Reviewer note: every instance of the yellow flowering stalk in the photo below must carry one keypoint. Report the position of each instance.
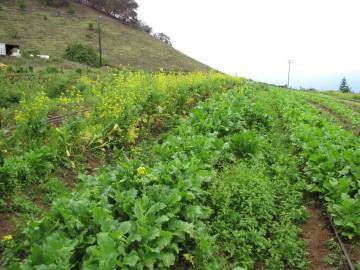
(7, 237)
(141, 170)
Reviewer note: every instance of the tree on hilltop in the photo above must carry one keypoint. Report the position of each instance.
(344, 87)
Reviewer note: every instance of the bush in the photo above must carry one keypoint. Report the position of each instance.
(27, 53)
(71, 11)
(82, 53)
(54, 3)
(13, 32)
(91, 26)
(21, 4)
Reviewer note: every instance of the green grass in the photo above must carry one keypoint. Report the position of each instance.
(50, 30)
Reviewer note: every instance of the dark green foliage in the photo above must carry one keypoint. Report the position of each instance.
(91, 26)
(344, 87)
(123, 10)
(71, 11)
(27, 53)
(54, 3)
(21, 4)
(81, 53)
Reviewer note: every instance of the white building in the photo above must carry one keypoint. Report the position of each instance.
(9, 49)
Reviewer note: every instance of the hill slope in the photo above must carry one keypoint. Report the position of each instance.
(50, 30)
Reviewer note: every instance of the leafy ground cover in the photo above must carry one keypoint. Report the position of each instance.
(331, 157)
(119, 109)
(345, 114)
(153, 214)
(222, 189)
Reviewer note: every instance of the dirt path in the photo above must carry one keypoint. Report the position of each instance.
(7, 225)
(316, 233)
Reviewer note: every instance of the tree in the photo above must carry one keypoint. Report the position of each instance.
(164, 38)
(344, 87)
(123, 10)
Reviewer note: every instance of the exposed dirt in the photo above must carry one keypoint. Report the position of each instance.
(7, 225)
(317, 233)
(354, 251)
(68, 177)
(93, 165)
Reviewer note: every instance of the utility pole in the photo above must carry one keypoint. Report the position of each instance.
(100, 49)
(288, 81)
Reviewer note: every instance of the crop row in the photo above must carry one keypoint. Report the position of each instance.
(347, 115)
(138, 215)
(172, 206)
(331, 156)
(121, 109)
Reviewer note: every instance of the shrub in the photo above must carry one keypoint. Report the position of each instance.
(21, 4)
(82, 53)
(54, 3)
(91, 26)
(13, 33)
(27, 53)
(71, 11)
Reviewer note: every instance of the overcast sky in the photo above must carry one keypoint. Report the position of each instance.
(256, 38)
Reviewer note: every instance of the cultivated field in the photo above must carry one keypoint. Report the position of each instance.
(136, 170)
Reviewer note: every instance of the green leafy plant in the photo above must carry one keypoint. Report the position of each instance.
(82, 53)
(245, 144)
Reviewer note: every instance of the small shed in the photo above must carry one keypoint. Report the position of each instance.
(9, 49)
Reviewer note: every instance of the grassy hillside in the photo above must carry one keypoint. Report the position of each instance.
(50, 30)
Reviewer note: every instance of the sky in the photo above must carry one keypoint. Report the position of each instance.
(256, 38)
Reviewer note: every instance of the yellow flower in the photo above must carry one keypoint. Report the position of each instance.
(132, 135)
(188, 257)
(7, 237)
(141, 170)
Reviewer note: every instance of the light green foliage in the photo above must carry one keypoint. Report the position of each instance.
(143, 218)
(171, 204)
(120, 108)
(345, 115)
(331, 157)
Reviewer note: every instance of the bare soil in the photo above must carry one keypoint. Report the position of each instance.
(316, 234)
(7, 225)
(353, 249)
